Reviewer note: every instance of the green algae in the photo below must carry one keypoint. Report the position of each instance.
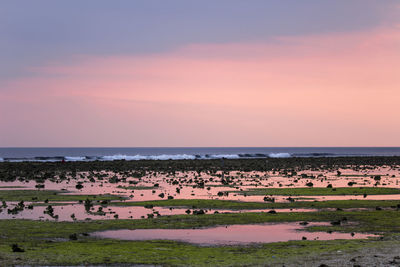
(50, 195)
(238, 205)
(170, 253)
(319, 191)
(48, 243)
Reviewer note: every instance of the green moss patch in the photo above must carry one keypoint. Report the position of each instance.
(237, 205)
(50, 195)
(48, 242)
(169, 253)
(320, 191)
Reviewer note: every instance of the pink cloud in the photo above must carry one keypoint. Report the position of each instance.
(289, 91)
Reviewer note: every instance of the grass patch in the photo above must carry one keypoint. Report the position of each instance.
(197, 203)
(170, 253)
(319, 191)
(237, 205)
(50, 195)
(47, 242)
(368, 221)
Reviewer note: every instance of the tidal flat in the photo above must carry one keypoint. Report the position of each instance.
(51, 213)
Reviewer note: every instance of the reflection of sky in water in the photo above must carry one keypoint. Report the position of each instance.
(64, 212)
(231, 234)
(189, 190)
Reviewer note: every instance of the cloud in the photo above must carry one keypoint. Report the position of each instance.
(289, 91)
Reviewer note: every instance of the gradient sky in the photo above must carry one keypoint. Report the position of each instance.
(200, 73)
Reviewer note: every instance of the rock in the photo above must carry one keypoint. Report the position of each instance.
(335, 222)
(269, 199)
(198, 212)
(16, 248)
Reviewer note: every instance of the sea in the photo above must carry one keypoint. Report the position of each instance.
(53, 154)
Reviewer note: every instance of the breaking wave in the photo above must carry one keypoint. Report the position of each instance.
(280, 155)
(151, 157)
(75, 158)
(175, 157)
(148, 157)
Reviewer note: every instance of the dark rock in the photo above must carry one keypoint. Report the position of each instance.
(16, 248)
(73, 237)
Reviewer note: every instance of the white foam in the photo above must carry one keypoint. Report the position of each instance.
(226, 156)
(152, 157)
(75, 158)
(279, 155)
(167, 157)
(122, 157)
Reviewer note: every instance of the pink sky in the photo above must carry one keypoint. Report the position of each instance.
(339, 89)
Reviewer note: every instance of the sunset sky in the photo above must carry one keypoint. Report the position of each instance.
(200, 73)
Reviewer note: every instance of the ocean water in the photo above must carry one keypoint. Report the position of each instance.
(166, 153)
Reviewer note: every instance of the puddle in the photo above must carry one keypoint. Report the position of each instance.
(231, 235)
(64, 212)
(152, 185)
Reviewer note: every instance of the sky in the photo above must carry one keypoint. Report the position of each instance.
(199, 73)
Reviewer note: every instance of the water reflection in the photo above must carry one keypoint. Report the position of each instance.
(231, 235)
(195, 185)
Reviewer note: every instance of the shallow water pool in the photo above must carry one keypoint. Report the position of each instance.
(231, 235)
